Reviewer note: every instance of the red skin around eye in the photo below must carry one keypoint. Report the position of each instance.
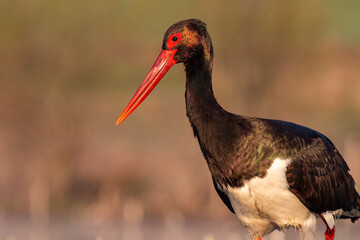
(170, 43)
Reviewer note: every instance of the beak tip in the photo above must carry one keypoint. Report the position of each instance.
(122, 117)
(118, 122)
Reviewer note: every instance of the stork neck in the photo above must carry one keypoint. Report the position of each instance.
(212, 125)
(200, 100)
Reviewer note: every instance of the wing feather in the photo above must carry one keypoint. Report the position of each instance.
(223, 196)
(320, 178)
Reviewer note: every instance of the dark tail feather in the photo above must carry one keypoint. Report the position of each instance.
(353, 214)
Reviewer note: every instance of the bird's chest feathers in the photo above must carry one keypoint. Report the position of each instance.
(264, 204)
(219, 148)
(254, 192)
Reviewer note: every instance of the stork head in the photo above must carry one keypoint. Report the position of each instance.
(186, 41)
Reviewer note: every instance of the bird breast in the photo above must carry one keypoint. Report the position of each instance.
(265, 204)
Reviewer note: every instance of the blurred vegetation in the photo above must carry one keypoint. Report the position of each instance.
(67, 69)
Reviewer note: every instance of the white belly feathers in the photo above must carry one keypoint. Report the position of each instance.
(265, 204)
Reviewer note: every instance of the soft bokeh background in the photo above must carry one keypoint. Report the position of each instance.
(68, 68)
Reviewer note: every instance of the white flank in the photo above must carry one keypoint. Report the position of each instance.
(331, 216)
(265, 204)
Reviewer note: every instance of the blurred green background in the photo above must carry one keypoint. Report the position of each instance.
(68, 68)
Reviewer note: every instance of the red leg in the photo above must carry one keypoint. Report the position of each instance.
(258, 238)
(330, 233)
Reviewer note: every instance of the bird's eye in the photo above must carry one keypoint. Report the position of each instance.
(173, 40)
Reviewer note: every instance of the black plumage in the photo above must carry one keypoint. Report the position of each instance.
(239, 148)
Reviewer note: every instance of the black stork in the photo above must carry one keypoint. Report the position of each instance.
(272, 174)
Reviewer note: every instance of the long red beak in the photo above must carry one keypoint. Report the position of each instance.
(162, 64)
